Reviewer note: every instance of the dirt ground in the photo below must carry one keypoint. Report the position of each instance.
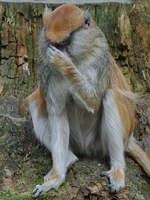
(24, 162)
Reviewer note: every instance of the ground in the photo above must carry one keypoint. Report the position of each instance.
(24, 162)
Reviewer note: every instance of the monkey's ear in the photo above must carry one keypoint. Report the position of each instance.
(46, 15)
(87, 17)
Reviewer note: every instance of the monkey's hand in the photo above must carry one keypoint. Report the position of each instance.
(84, 88)
(85, 92)
(61, 61)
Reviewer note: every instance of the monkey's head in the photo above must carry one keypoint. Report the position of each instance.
(61, 22)
(72, 29)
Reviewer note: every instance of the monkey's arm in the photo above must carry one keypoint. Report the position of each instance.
(88, 92)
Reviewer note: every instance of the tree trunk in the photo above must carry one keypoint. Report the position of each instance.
(126, 27)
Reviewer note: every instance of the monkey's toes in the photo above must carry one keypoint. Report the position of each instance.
(116, 185)
(40, 190)
(105, 173)
(116, 178)
(53, 182)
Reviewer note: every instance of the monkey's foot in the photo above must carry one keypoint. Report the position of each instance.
(71, 159)
(53, 182)
(117, 179)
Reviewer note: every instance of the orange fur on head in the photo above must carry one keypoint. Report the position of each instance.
(62, 21)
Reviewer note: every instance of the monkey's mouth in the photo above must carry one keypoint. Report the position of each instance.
(62, 46)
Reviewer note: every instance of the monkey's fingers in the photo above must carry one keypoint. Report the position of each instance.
(57, 57)
(53, 54)
(53, 50)
(50, 53)
(56, 50)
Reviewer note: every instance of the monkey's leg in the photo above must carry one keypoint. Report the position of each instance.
(40, 124)
(112, 138)
(59, 146)
(70, 160)
(42, 132)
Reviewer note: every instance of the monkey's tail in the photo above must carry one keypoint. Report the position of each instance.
(139, 155)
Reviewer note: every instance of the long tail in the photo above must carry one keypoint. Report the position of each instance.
(139, 155)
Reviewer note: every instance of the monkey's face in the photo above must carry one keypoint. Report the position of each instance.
(72, 30)
(84, 40)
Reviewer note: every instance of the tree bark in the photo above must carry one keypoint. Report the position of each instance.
(126, 27)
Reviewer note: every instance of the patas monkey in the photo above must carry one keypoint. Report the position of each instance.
(83, 103)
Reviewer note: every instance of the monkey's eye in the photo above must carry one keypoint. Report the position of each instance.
(86, 23)
(87, 19)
